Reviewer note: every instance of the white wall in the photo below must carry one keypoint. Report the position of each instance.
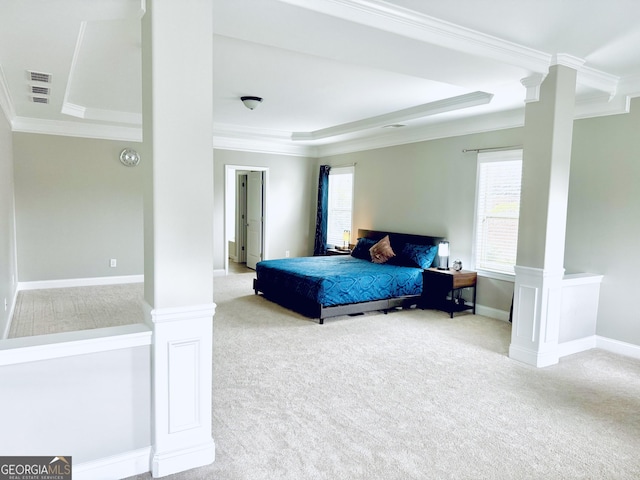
(89, 406)
(8, 272)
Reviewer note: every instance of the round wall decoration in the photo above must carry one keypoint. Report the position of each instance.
(129, 157)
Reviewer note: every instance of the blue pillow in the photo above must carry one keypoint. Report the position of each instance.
(418, 255)
(361, 249)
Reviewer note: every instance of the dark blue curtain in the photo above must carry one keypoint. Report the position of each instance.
(320, 245)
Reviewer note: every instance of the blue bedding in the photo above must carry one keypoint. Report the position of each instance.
(340, 279)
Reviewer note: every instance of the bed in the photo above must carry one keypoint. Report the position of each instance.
(329, 286)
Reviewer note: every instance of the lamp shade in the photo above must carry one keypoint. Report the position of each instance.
(443, 255)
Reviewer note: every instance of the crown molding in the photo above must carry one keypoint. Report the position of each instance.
(567, 60)
(76, 129)
(257, 145)
(601, 106)
(233, 137)
(454, 128)
(433, 108)
(101, 115)
(408, 23)
(630, 85)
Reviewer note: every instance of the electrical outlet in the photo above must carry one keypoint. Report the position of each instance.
(286, 253)
(113, 263)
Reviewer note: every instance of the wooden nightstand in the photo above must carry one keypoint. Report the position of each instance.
(442, 288)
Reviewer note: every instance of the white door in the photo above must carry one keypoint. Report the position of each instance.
(254, 219)
(241, 218)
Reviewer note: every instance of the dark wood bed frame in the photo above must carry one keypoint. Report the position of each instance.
(313, 309)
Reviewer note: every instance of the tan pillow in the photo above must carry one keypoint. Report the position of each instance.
(382, 251)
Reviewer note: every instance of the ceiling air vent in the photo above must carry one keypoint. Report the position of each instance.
(39, 76)
(40, 99)
(37, 90)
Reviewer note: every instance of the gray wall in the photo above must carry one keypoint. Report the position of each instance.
(77, 207)
(290, 202)
(603, 218)
(427, 188)
(8, 280)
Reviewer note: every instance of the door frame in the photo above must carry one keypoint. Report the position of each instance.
(228, 168)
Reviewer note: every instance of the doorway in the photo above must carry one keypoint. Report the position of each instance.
(246, 191)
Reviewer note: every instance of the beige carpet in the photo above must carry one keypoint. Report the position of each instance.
(57, 310)
(408, 395)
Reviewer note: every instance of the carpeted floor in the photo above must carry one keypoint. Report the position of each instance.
(57, 310)
(408, 395)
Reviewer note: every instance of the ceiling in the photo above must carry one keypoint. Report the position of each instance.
(335, 75)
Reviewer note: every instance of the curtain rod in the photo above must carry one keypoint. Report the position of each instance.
(345, 165)
(491, 149)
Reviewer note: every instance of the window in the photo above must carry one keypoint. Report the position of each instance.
(340, 204)
(497, 210)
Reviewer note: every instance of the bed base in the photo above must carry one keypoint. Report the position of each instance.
(312, 309)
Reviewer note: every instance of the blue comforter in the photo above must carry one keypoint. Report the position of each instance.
(338, 280)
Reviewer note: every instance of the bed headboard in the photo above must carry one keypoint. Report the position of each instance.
(401, 238)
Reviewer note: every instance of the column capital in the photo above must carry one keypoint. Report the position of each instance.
(532, 83)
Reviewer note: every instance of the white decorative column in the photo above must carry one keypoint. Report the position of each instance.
(539, 271)
(177, 58)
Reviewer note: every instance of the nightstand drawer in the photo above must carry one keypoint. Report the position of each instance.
(464, 278)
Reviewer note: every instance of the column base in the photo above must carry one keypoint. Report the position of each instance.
(536, 316)
(175, 461)
(532, 357)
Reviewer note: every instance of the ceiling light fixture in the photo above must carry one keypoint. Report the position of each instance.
(251, 102)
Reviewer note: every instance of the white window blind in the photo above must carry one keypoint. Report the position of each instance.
(497, 210)
(340, 204)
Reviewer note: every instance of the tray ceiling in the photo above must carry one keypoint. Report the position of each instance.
(333, 73)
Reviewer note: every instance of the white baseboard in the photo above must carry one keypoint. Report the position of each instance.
(577, 346)
(616, 346)
(123, 465)
(492, 313)
(603, 343)
(219, 272)
(80, 282)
